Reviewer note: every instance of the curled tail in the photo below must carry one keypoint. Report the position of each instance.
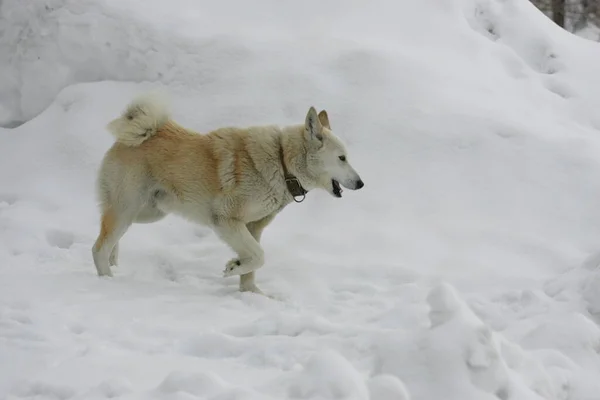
(141, 119)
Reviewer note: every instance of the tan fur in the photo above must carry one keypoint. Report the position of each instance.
(107, 226)
(230, 179)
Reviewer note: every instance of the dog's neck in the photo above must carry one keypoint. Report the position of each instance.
(292, 183)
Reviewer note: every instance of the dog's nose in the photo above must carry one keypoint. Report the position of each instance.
(359, 184)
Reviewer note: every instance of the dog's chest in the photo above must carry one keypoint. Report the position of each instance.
(264, 204)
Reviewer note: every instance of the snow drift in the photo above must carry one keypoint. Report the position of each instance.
(466, 269)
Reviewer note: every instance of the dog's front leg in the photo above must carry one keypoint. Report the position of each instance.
(238, 237)
(255, 228)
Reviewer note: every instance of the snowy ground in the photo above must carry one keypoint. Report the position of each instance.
(590, 31)
(467, 268)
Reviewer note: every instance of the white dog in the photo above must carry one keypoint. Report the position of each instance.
(234, 180)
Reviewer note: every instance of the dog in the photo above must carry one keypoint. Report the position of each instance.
(234, 180)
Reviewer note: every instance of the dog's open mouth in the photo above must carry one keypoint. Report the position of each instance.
(337, 190)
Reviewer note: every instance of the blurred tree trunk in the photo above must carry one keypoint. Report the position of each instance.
(558, 12)
(582, 20)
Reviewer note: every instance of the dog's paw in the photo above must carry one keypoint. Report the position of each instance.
(105, 274)
(236, 267)
(231, 266)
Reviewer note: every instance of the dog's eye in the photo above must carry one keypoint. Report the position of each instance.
(342, 158)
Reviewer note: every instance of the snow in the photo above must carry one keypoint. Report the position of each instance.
(589, 31)
(467, 268)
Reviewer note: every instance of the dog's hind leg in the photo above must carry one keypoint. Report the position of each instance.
(113, 227)
(113, 259)
(238, 237)
(146, 216)
(255, 228)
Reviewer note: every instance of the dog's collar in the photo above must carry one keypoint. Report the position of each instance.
(292, 183)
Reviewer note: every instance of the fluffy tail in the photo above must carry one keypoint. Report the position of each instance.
(141, 119)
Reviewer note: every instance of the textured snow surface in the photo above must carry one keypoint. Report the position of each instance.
(467, 268)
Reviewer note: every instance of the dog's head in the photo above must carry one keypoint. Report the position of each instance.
(327, 158)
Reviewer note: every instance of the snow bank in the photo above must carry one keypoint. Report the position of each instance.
(590, 32)
(473, 123)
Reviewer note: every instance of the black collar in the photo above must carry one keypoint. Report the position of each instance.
(292, 183)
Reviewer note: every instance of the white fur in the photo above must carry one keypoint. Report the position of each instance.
(140, 120)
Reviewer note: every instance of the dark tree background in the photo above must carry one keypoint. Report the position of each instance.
(573, 15)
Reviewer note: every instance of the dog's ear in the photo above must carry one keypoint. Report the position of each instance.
(312, 126)
(324, 119)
